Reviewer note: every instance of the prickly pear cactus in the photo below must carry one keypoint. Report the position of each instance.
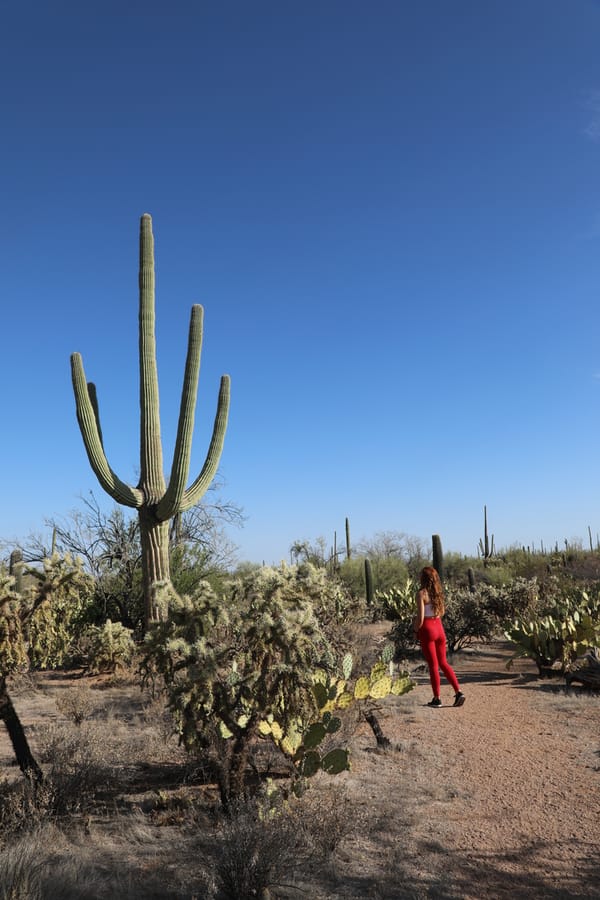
(555, 639)
(302, 742)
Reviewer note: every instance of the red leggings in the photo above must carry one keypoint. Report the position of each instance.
(433, 644)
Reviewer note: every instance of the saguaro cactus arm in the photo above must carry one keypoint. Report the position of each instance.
(177, 498)
(89, 425)
(196, 490)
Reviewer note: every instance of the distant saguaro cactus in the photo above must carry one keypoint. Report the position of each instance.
(16, 569)
(472, 582)
(155, 502)
(486, 548)
(437, 554)
(370, 593)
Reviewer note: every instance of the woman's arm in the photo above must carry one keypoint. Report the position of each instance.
(420, 616)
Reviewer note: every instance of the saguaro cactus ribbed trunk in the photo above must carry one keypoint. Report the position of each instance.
(155, 502)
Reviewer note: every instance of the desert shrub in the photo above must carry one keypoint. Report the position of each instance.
(467, 619)
(520, 597)
(258, 848)
(387, 572)
(24, 807)
(455, 569)
(76, 703)
(107, 647)
(264, 843)
(327, 817)
(77, 764)
(403, 637)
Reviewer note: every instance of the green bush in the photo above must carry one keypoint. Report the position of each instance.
(468, 618)
(520, 597)
(387, 572)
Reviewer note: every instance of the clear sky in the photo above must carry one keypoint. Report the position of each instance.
(390, 211)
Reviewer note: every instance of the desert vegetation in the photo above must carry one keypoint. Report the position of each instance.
(231, 720)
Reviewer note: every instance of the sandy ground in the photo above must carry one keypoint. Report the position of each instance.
(497, 799)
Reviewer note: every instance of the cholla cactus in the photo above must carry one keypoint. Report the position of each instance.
(13, 649)
(59, 593)
(21, 615)
(228, 666)
(155, 502)
(108, 647)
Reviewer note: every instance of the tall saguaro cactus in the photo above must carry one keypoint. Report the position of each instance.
(155, 502)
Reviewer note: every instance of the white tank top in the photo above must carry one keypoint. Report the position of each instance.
(428, 610)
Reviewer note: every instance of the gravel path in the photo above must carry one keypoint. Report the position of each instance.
(498, 799)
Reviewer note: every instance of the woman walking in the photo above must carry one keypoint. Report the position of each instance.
(431, 635)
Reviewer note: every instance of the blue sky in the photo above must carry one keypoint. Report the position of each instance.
(391, 214)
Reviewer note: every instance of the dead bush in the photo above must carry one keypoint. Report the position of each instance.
(258, 848)
(76, 703)
(77, 763)
(326, 817)
(24, 807)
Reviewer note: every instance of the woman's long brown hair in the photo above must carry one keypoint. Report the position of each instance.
(430, 580)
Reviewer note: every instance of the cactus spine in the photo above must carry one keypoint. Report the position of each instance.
(156, 503)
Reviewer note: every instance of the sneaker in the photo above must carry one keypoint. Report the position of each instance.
(435, 702)
(459, 699)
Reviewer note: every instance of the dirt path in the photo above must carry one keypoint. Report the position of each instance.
(498, 799)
